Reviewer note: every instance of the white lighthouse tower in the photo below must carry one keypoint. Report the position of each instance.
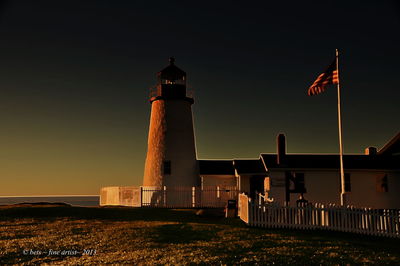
(171, 152)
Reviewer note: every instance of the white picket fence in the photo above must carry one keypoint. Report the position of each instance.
(377, 222)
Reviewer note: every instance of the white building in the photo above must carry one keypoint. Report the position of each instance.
(372, 179)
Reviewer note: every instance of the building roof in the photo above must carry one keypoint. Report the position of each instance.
(329, 161)
(228, 167)
(392, 147)
(216, 167)
(249, 166)
(171, 72)
(388, 158)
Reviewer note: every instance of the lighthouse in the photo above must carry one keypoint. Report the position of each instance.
(171, 150)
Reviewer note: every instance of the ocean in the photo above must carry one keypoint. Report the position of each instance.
(84, 201)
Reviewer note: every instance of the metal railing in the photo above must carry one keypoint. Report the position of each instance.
(153, 92)
(187, 197)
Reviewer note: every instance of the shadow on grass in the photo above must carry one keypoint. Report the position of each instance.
(18, 257)
(19, 236)
(301, 247)
(184, 216)
(49, 213)
(180, 234)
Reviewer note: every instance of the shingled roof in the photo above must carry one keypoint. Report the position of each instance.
(227, 167)
(392, 147)
(328, 161)
(216, 167)
(249, 166)
(388, 158)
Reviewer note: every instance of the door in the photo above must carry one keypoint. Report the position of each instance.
(256, 185)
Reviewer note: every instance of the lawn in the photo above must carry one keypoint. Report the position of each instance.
(163, 236)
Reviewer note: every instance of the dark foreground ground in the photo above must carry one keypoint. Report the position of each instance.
(31, 234)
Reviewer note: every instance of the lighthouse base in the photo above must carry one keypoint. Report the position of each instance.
(168, 197)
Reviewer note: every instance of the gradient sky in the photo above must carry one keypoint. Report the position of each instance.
(74, 79)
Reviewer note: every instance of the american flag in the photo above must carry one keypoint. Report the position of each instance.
(330, 76)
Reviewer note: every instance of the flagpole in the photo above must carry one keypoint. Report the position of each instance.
(342, 181)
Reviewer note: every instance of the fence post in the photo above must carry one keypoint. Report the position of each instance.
(249, 212)
(239, 204)
(141, 196)
(193, 197)
(165, 196)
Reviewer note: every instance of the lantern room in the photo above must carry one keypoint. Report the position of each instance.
(171, 83)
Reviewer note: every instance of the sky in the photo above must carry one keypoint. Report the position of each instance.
(75, 79)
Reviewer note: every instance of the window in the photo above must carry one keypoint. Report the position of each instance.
(173, 81)
(382, 183)
(167, 167)
(296, 182)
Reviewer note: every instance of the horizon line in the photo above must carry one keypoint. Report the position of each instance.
(25, 196)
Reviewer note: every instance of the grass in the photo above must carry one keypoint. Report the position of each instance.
(162, 236)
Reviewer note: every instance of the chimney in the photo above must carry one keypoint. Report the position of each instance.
(281, 149)
(370, 151)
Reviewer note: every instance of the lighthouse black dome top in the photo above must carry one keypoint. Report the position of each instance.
(171, 84)
(171, 74)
